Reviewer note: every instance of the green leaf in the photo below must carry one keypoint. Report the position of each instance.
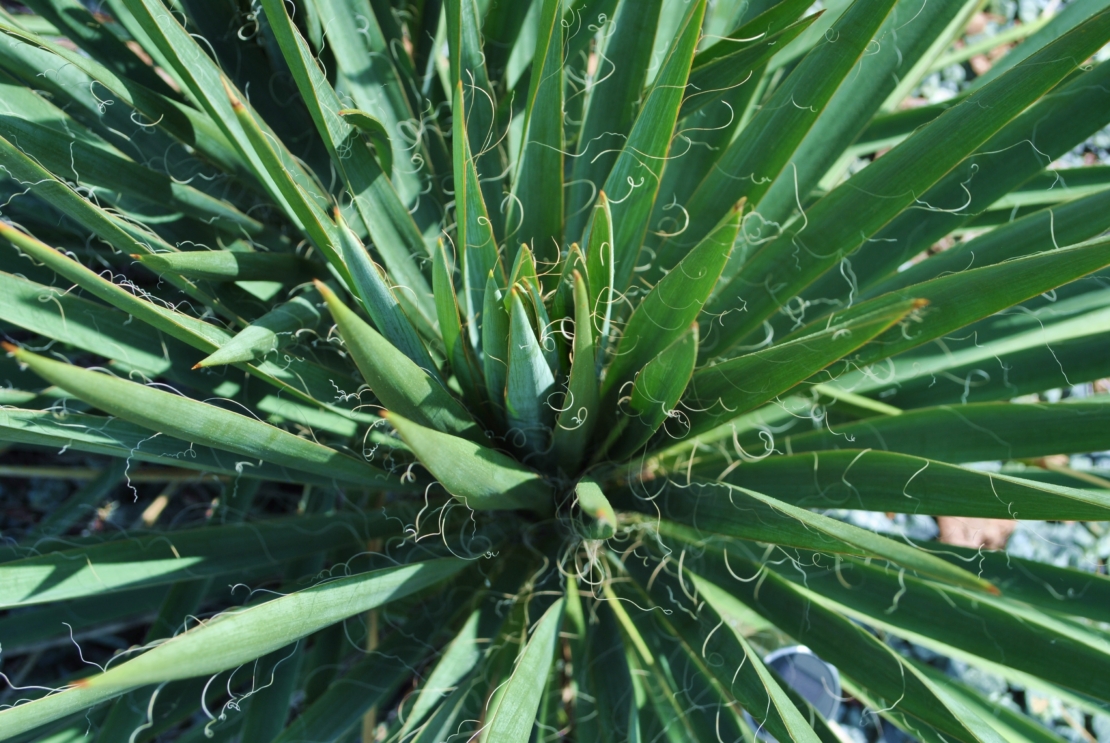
(1055, 227)
(166, 558)
(90, 326)
(605, 702)
(666, 312)
(205, 82)
(754, 161)
(495, 344)
(958, 299)
(995, 629)
(975, 432)
(735, 673)
(375, 131)
(395, 380)
(41, 627)
(580, 408)
(77, 24)
(189, 420)
(1060, 590)
(301, 380)
(480, 477)
(854, 651)
(655, 394)
(378, 76)
(1067, 19)
(1057, 123)
(886, 481)
(536, 214)
(612, 94)
(458, 660)
(227, 265)
(909, 169)
(372, 681)
(97, 434)
(709, 78)
(476, 132)
(391, 227)
(113, 230)
(184, 123)
(909, 36)
(1000, 357)
(707, 508)
(725, 390)
(599, 271)
(476, 243)
(237, 637)
(529, 382)
(274, 330)
(459, 351)
(670, 681)
(766, 21)
(62, 145)
(599, 520)
(303, 207)
(633, 181)
(512, 720)
(380, 301)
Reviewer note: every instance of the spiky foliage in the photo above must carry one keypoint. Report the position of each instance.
(569, 322)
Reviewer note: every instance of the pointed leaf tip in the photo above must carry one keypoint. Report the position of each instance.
(480, 477)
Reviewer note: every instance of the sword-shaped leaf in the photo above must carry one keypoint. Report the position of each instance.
(396, 380)
(666, 312)
(198, 422)
(237, 637)
(160, 559)
(228, 265)
(476, 241)
(854, 651)
(710, 78)
(736, 672)
(482, 478)
(703, 508)
(478, 128)
(97, 434)
(599, 271)
(495, 343)
(613, 93)
(375, 132)
(813, 245)
(513, 719)
(274, 330)
(957, 300)
(976, 432)
(391, 227)
(529, 382)
(302, 380)
(634, 180)
(725, 390)
(886, 481)
(580, 409)
(655, 394)
(752, 162)
(455, 339)
(380, 301)
(536, 215)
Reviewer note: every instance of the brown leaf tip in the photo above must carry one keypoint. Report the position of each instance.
(236, 104)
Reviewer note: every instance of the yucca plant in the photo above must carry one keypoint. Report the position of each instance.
(520, 358)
